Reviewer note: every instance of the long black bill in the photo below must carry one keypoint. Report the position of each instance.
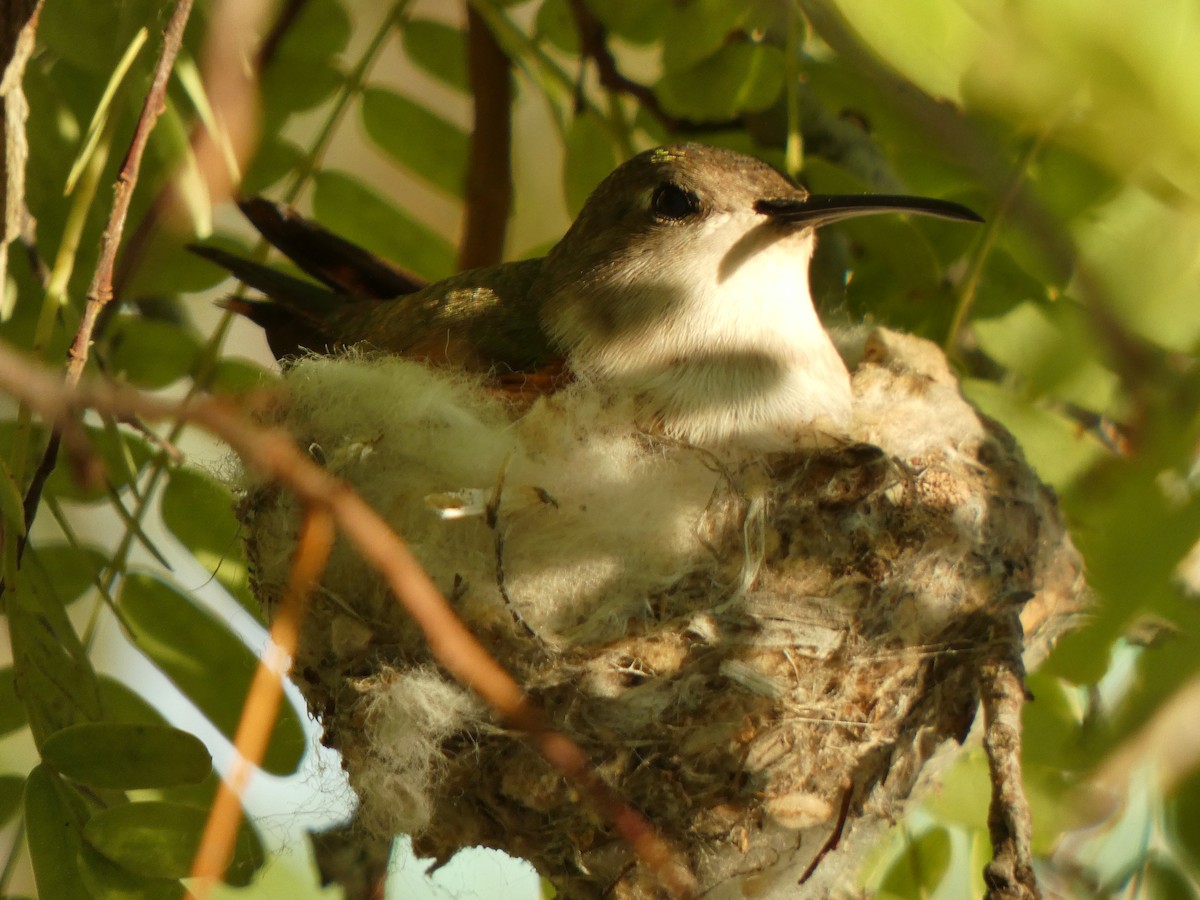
(819, 209)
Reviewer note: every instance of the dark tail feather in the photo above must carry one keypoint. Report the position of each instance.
(343, 266)
(289, 334)
(292, 317)
(294, 293)
(295, 313)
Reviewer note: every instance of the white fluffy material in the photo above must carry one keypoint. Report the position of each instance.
(405, 722)
(571, 517)
(590, 515)
(906, 399)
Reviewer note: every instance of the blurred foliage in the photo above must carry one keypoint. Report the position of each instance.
(1072, 316)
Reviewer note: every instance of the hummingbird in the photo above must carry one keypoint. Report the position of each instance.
(682, 283)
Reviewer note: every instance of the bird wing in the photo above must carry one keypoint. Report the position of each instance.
(484, 320)
(345, 267)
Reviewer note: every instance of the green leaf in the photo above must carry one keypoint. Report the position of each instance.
(883, 266)
(1165, 879)
(12, 710)
(555, 25)
(205, 660)
(1029, 341)
(53, 823)
(274, 160)
(303, 71)
(167, 268)
(151, 353)
(418, 139)
(1141, 250)
(1130, 517)
(109, 881)
(53, 674)
(639, 23)
(237, 376)
(438, 49)
(590, 156)
(123, 704)
(350, 208)
(1053, 809)
(116, 451)
(159, 840)
(71, 570)
(921, 865)
(321, 31)
(1054, 446)
(1083, 656)
(11, 502)
(199, 511)
(12, 791)
(742, 77)
(1004, 286)
(61, 482)
(1051, 725)
(294, 84)
(94, 36)
(698, 29)
(127, 757)
(962, 792)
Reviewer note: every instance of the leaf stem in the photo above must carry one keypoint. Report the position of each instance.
(987, 241)
(350, 89)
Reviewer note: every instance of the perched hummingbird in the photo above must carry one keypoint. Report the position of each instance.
(682, 283)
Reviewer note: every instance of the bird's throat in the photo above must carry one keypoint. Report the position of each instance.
(714, 355)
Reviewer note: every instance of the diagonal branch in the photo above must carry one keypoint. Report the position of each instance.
(593, 43)
(273, 454)
(262, 701)
(100, 293)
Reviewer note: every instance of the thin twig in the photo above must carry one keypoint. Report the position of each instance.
(100, 292)
(262, 701)
(273, 454)
(987, 241)
(594, 46)
(1010, 875)
(167, 198)
(835, 837)
(489, 188)
(351, 88)
(284, 20)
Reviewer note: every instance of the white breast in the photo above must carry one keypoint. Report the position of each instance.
(718, 335)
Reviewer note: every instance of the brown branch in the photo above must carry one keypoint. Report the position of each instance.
(593, 42)
(233, 95)
(273, 454)
(100, 293)
(1010, 875)
(489, 189)
(262, 702)
(18, 25)
(284, 20)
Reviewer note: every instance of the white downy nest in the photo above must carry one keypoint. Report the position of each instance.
(759, 654)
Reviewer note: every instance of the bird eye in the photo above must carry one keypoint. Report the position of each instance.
(670, 201)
